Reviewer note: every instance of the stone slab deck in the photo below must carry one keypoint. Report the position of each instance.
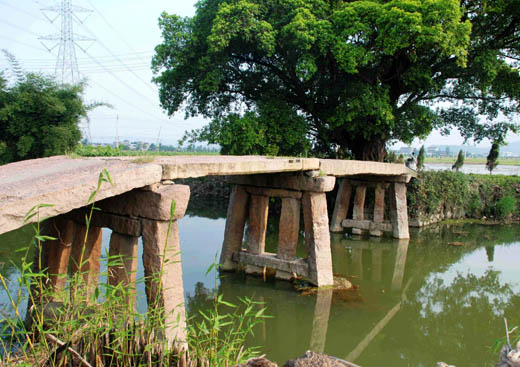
(68, 182)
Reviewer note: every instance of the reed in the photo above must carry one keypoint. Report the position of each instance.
(81, 326)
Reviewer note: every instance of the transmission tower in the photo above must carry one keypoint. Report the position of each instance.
(66, 70)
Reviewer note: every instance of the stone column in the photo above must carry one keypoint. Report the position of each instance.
(86, 254)
(320, 322)
(59, 252)
(55, 254)
(317, 238)
(341, 206)
(123, 254)
(379, 209)
(400, 261)
(161, 251)
(235, 223)
(289, 229)
(358, 212)
(399, 211)
(163, 274)
(257, 227)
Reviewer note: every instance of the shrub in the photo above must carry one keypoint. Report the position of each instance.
(505, 207)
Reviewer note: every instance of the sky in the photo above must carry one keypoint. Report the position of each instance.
(116, 66)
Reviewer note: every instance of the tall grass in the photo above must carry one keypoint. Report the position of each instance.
(99, 326)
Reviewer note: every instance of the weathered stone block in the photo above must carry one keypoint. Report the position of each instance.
(299, 182)
(269, 260)
(125, 269)
(163, 272)
(118, 223)
(317, 238)
(258, 211)
(276, 193)
(341, 206)
(235, 223)
(153, 205)
(86, 253)
(289, 228)
(399, 211)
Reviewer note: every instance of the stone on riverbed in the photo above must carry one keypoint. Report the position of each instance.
(311, 359)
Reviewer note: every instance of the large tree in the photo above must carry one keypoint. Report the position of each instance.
(362, 73)
(38, 117)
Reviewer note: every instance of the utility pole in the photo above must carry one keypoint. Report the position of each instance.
(117, 132)
(67, 71)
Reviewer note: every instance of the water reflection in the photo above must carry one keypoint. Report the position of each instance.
(416, 301)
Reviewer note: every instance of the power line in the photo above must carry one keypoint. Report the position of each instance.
(147, 83)
(111, 27)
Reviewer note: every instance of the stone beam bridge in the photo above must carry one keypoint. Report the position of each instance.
(137, 204)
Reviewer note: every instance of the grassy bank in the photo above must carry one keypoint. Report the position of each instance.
(108, 151)
(513, 161)
(452, 195)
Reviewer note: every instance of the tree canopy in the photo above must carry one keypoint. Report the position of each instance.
(361, 73)
(38, 117)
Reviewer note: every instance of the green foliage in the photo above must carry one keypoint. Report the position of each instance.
(459, 162)
(97, 325)
(271, 130)
(360, 72)
(420, 159)
(506, 207)
(492, 157)
(463, 195)
(39, 118)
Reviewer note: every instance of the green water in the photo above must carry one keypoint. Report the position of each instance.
(417, 302)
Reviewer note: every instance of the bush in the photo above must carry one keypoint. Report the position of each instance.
(505, 207)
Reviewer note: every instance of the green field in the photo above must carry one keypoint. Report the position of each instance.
(480, 160)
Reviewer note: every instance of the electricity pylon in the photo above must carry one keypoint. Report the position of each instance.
(66, 70)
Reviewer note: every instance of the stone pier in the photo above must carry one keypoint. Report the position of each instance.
(398, 222)
(250, 197)
(146, 212)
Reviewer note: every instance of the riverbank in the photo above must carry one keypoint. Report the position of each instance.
(514, 161)
(438, 195)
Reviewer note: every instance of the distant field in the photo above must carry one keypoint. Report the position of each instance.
(450, 160)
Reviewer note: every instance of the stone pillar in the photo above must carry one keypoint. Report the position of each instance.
(289, 229)
(163, 274)
(59, 252)
(399, 211)
(341, 206)
(320, 322)
(379, 209)
(358, 212)
(400, 261)
(257, 227)
(54, 255)
(317, 238)
(86, 254)
(123, 254)
(235, 223)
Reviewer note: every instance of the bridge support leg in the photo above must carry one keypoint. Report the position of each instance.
(124, 271)
(359, 207)
(399, 211)
(289, 229)
(235, 223)
(163, 272)
(341, 206)
(317, 238)
(258, 211)
(86, 254)
(379, 209)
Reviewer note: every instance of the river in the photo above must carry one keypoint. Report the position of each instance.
(416, 302)
(476, 168)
